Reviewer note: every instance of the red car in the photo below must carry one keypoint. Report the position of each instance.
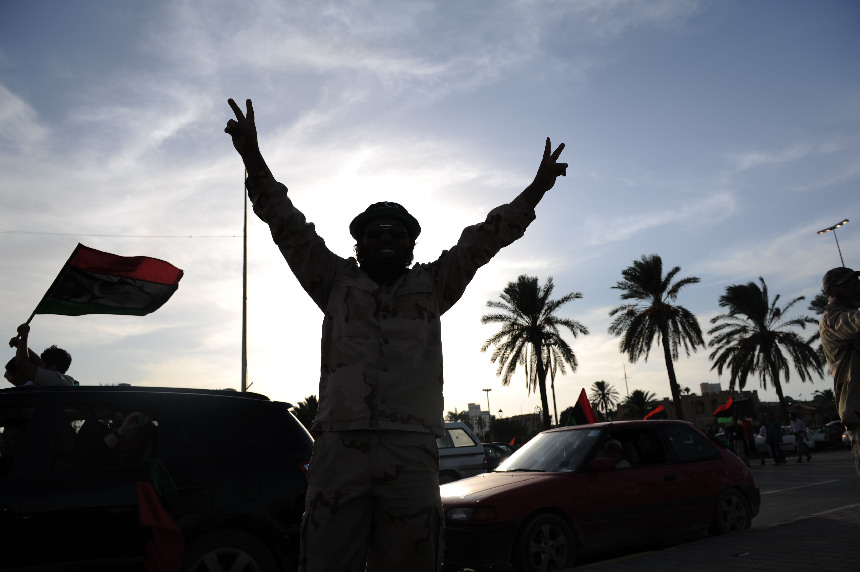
(594, 487)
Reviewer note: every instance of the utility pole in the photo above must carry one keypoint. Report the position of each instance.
(627, 389)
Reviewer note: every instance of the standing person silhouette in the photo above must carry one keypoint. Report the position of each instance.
(373, 483)
(840, 339)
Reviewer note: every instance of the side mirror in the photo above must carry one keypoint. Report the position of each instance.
(602, 464)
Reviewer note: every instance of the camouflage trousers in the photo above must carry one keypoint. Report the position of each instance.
(373, 500)
(854, 434)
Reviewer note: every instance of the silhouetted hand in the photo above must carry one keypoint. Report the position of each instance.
(243, 130)
(550, 168)
(23, 332)
(133, 422)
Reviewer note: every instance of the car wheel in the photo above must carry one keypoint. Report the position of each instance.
(545, 542)
(224, 550)
(731, 513)
(445, 478)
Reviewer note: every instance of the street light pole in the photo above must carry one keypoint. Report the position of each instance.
(833, 228)
(487, 391)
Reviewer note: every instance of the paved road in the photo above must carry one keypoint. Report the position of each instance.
(826, 542)
(799, 489)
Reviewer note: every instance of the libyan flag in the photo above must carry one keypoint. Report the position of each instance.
(582, 412)
(96, 282)
(658, 413)
(724, 407)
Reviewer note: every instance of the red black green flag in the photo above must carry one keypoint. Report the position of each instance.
(96, 282)
(582, 412)
(724, 407)
(659, 412)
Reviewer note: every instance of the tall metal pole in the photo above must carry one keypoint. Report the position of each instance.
(842, 260)
(833, 228)
(244, 384)
(487, 391)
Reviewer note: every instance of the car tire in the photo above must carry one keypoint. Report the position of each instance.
(545, 542)
(731, 513)
(228, 549)
(445, 478)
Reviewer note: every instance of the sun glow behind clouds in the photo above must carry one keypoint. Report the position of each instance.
(111, 123)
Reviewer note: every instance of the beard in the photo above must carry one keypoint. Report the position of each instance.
(383, 269)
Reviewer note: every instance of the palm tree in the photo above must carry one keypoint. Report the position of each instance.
(653, 315)
(751, 337)
(604, 396)
(305, 411)
(817, 305)
(565, 415)
(637, 403)
(462, 416)
(826, 395)
(530, 335)
(479, 426)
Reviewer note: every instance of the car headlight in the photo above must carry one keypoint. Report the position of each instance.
(470, 514)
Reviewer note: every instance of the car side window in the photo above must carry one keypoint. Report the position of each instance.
(87, 436)
(14, 423)
(687, 445)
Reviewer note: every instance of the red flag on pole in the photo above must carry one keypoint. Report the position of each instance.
(582, 412)
(724, 407)
(165, 546)
(658, 413)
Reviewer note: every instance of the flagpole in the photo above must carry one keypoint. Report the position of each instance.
(244, 384)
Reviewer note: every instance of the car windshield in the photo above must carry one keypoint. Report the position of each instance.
(553, 451)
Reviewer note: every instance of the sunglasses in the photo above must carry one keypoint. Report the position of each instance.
(395, 231)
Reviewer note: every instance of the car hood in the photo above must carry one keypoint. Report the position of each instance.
(482, 486)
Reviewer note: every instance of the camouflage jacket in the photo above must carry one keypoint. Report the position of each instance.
(840, 339)
(381, 359)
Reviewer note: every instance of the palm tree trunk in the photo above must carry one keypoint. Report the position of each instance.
(554, 407)
(673, 382)
(545, 419)
(783, 406)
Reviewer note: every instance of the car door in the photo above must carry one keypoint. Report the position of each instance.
(631, 504)
(85, 500)
(21, 449)
(699, 474)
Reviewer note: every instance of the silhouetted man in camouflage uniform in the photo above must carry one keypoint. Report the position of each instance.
(373, 484)
(840, 338)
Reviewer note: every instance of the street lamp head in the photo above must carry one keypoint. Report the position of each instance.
(834, 227)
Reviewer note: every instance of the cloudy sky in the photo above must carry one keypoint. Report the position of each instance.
(720, 135)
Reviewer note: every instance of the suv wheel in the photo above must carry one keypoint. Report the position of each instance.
(224, 550)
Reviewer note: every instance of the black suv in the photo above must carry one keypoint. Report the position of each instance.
(221, 473)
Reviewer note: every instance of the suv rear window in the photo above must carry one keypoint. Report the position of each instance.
(455, 438)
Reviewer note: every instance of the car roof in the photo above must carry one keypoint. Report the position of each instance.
(633, 423)
(126, 389)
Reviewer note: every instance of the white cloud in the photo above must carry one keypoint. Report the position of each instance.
(20, 128)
